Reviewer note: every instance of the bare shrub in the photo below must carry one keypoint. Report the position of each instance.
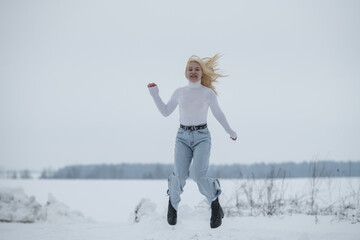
(253, 197)
(252, 194)
(349, 205)
(317, 172)
(274, 187)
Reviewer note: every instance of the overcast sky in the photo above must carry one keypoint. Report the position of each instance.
(73, 78)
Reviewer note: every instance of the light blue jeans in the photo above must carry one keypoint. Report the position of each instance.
(192, 146)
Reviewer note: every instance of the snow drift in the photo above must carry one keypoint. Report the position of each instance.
(16, 206)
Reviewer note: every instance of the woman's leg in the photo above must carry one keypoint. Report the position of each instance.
(182, 158)
(209, 187)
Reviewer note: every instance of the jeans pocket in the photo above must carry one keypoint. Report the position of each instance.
(203, 131)
(180, 131)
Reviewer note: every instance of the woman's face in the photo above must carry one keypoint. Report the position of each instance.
(194, 72)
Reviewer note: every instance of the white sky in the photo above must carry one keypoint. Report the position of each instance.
(73, 78)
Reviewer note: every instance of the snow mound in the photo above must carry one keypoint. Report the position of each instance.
(145, 209)
(16, 206)
(56, 211)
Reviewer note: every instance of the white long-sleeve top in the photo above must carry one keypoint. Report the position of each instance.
(194, 101)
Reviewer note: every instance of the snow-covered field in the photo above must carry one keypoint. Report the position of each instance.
(105, 209)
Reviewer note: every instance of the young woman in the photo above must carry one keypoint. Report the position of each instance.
(193, 140)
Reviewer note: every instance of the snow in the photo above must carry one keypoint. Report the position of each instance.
(16, 206)
(137, 210)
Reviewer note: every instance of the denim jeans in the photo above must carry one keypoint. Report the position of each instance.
(192, 146)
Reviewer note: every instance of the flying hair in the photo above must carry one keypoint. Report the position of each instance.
(209, 68)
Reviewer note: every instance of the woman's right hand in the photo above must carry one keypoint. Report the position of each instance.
(151, 85)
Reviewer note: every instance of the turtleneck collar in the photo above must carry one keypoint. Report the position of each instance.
(194, 84)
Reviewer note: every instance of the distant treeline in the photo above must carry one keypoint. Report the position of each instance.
(162, 171)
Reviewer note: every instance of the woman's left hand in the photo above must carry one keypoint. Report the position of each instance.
(150, 85)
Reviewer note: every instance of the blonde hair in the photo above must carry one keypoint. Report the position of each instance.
(209, 70)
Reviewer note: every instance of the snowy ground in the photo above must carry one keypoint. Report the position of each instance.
(294, 227)
(108, 213)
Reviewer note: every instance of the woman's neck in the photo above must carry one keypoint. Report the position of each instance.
(195, 84)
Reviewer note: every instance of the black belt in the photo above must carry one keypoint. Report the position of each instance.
(192, 128)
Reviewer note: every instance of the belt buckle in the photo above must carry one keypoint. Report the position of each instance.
(192, 128)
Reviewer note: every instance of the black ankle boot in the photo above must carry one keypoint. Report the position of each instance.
(171, 215)
(216, 214)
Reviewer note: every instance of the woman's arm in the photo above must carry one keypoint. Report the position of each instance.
(165, 109)
(220, 116)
